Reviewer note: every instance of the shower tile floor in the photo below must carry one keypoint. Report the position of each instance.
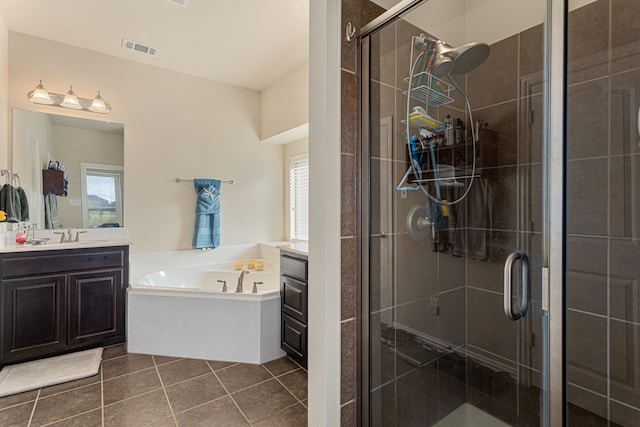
(141, 390)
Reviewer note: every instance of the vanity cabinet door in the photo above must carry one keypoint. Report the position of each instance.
(34, 317)
(96, 306)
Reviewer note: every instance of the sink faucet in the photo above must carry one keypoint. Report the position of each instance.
(240, 280)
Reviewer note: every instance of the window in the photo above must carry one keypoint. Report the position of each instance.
(101, 195)
(299, 198)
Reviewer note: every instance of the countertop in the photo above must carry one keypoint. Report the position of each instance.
(299, 248)
(89, 238)
(27, 247)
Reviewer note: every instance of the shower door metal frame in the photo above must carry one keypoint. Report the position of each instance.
(554, 208)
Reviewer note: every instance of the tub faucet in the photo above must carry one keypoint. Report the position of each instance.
(240, 280)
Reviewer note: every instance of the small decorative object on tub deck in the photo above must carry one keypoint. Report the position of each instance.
(259, 266)
(239, 265)
(251, 264)
(206, 232)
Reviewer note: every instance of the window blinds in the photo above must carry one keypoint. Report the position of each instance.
(299, 198)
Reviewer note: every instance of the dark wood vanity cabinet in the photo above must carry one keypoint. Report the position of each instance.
(294, 302)
(55, 302)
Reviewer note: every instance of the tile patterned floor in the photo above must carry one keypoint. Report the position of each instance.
(135, 390)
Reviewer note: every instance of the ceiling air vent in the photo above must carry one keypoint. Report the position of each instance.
(139, 47)
(181, 3)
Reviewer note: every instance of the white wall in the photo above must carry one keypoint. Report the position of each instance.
(4, 96)
(324, 212)
(176, 125)
(285, 104)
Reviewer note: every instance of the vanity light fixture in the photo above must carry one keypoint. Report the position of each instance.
(69, 100)
(40, 95)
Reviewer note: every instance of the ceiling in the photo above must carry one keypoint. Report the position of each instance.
(247, 43)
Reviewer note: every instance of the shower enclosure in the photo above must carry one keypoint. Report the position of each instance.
(501, 214)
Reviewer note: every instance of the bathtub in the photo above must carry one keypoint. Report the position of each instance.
(179, 309)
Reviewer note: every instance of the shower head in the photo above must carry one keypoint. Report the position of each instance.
(459, 60)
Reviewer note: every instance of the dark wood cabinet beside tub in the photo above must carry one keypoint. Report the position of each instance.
(293, 296)
(58, 301)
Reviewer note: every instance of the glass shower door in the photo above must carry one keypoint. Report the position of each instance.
(453, 105)
(603, 210)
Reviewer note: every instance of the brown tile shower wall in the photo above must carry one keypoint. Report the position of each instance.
(358, 12)
(603, 247)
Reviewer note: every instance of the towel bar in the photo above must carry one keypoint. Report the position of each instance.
(230, 181)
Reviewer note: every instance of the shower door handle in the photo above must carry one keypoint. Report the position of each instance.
(517, 312)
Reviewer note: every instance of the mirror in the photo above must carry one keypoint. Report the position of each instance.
(86, 189)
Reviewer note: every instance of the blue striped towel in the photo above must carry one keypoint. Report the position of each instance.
(206, 232)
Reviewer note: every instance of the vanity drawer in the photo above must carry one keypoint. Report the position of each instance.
(61, 260)
(293, 295)
(294, 339)
(294, 267)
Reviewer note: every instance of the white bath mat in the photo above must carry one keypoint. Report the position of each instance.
(45, 372)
